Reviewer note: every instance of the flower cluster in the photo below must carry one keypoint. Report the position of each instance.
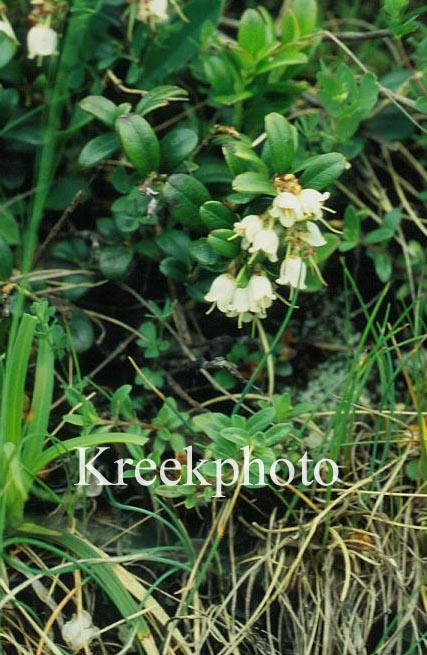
(242, 302)
(286, 231)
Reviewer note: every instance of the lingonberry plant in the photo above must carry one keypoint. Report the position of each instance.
(212, 251)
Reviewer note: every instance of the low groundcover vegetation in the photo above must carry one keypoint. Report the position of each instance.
(213, 304)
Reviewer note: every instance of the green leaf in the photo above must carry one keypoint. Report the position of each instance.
(215, 215)
(114, 261)
(387, 229)
(290, 27)
(175, 243)
(219, 242)
(184, 195)
(288, 55)
(176, 146)
(82, 332)
(6, 260)
(282, 138)
(8, 48)
(253, 183)
(101, 108)
(97, 149)
(383, 265)
(320, 171)
(351, 231)
(9, 228)
(204, 253)
(251, 34)
(158, 97)
(170, 54)
(379, 235)
(305, 12)
(261, 420)
(139, 142)
(174, 269)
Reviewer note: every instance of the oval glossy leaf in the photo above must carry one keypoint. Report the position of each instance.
(322, 170)
(101, 108)
(115, 261)
(82, 332)
(97, 149)
(251, 34)
(305, 12)
(253, 183)
(8, 48)
(215, 215)
(219, 241)
(176, 146)
(184, 195)
(139, 142)
(282, 139)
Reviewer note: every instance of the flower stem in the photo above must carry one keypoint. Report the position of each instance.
(269, 356)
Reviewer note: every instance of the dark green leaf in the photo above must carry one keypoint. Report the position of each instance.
(9, 228)
(114, 261)
(204, 253)
(215, 215)
(176, 146)
(97, 149)
(101, 108)
(82, 332)
(172, 53)
(185, 195)
(174, 269)
(160, 97)
(139, 142)
(322, 170)
(219, 240)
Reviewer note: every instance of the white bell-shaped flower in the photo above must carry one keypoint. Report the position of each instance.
(313, 235)
(240, 302)
(156, 10)
(42, 41)
(79, 631)
(261, 294)
(221, 291)
(247, 228)
(311, 202)
(293, 271)
(267, 241)
(287, 208)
